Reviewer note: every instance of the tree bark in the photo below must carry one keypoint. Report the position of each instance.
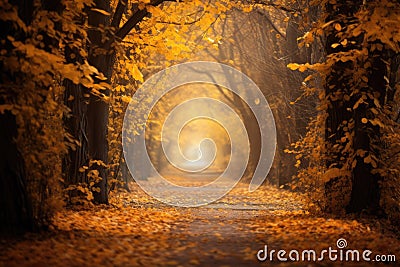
(97, 110)
(89, 121)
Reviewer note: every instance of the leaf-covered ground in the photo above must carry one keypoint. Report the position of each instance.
(136, 230)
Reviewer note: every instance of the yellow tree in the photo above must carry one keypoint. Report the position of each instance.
(107, 28)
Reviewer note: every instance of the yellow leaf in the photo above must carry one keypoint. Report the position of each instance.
(155, 11)
(137, 75)
(194, 262)
(126, 99)
(300, 67)
(101, 76)
(338, 27)
(364, 120)
(293, 66)
(303, 67)
(330, 174)
(247, 9)
(335, 45)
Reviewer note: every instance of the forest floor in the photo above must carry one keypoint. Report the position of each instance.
(136, 230)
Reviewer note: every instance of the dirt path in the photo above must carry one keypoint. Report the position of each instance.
(231, 231)
(217, 240)
(139, 231)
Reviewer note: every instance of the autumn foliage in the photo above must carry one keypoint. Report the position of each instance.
(69, 69)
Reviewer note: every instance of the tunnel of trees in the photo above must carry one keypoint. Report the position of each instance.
(328, 69)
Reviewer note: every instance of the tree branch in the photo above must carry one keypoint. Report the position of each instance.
(272, 24)
(119, 11)
(134, 20)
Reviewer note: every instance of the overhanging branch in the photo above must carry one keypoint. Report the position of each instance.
(134, 20)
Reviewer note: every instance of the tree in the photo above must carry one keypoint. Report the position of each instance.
(49, 49)
(89, 120)
(357, 91)
(32, 65)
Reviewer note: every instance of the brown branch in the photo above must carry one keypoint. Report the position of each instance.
(272, 24)
(134, 20)
(131, 23)
(119, 11)
(219, 88)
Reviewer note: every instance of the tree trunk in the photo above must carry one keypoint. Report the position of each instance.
(76, 124)
(101, 58)
(88, 121)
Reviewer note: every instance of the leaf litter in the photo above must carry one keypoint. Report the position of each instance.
(136, 230)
